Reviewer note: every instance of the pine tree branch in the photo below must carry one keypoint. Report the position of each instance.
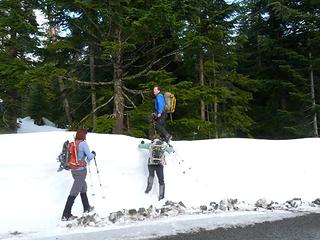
(127, 97)
(89, 83)
(80, 104)
(136, 92)
(149, 67)
(99, 65)
(155, 49)
(93, 23)
(90, 33)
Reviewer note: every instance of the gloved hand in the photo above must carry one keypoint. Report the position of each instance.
(154, 116)
(94, 153)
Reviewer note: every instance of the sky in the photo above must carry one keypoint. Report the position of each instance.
(198, 173)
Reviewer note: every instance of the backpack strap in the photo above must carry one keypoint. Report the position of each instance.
(76, 148)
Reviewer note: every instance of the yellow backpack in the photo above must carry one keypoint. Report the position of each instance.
(170, 100)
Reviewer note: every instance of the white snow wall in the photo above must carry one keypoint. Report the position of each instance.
(197, 173)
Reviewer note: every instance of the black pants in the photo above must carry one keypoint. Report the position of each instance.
(161, 125)
(159, 170)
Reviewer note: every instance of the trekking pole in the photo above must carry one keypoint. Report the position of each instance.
(90, 175)
(99, 178)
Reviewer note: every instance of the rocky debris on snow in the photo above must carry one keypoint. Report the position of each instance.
(153, 211)
(133, 215)
(213, 206)
(263, 203)
(266, 204)
(15, 233)
(274, 206)
(115, 216)
(293, 203)
(172, 208)
(203, 208)
(132, 212)
(144, 212)
(228, 205)
(316, 202)
(88, 219)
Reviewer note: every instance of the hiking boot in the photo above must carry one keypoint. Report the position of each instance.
(67, 209)
(85, 202)
(90, 209)
(168, 139)
(70, 218)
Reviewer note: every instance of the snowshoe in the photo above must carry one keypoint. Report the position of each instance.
(90, 209)
(71, 218)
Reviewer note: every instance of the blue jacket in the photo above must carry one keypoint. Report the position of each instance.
(84, 154)
(159, 103)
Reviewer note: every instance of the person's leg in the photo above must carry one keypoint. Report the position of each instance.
(152, 131)
(83, 194)
(150, 178)
(79, 183)
(85, 202)
(66, 215)
(161, 127)
(160, 175)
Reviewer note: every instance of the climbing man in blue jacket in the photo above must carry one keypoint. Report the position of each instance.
(160, 115)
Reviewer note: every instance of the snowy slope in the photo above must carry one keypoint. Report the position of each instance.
(199, 172)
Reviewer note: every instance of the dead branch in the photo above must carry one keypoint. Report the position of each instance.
(96, 109)
(127, 97)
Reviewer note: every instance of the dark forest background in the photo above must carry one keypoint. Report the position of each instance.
(244, 69)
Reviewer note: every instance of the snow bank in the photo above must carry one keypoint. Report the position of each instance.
(199, 172)
(27, 126)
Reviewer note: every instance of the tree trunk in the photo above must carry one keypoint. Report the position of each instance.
(259, 64)
(11, 105)
(315, 121)
(65, 101)
(52, 32)
(215, 104)
(93, 88)
(201, 77)
(118, 108)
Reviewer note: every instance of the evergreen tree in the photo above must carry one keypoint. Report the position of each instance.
(210, 65)
(271, 57)
(18, 41)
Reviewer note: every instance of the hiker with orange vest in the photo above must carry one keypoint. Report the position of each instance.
(79, 174)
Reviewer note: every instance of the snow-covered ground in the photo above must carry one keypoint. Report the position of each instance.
(197, 174)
